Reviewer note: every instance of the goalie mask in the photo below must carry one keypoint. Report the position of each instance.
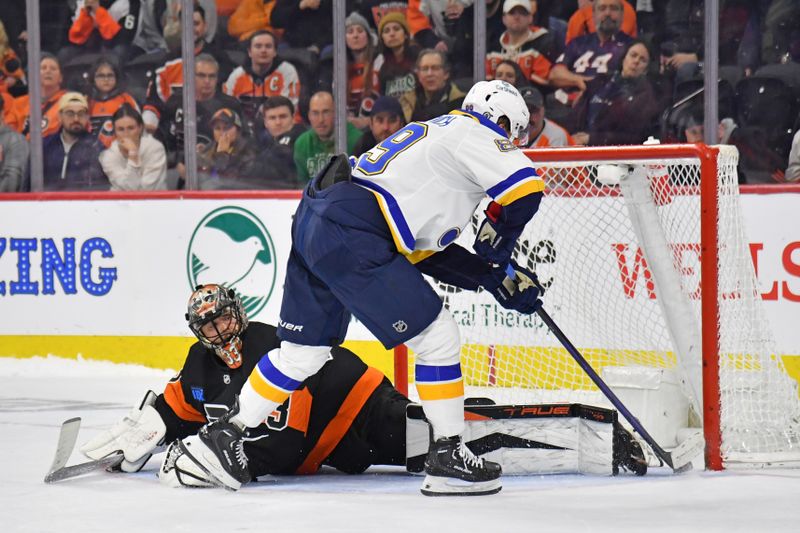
(217, 318)
(501, 103)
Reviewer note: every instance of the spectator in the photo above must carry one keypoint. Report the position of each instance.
(149, 38)
(532, 47)
(135, 161)
(314, 147)
(280, 133)
(582, 22)
(375, 10)
(227, 162)
(446, 26)
(362, 79)
(684, 39)
(264, 75)
(436, 94)
(171, 22)
(398, 54)
(12, 76)
(106, 97)
(208, 100)
(385, 119)
(306, 23)
(793, 170)
(592, 54)
(71, 154)
(542, 133)
(51, 80)
(509, 71)
(251, 16)
(14, 154)
(101, 26)
(169, 77)
(620, 108)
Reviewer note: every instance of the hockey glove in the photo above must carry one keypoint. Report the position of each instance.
(520, 294)
(495, 242)
(138, 435)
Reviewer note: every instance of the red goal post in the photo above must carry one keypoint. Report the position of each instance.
(649, 276)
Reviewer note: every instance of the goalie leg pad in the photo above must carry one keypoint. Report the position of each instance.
(138, 435)
(181, 468)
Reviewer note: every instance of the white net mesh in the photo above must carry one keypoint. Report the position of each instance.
(603, 295)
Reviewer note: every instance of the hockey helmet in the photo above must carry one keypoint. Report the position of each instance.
(211, 302)
(497, 99)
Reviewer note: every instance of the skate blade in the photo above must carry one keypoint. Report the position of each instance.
(447, 486)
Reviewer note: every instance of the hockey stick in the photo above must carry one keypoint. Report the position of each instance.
(66, 444)
(679, 462)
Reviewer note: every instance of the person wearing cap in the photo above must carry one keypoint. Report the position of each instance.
(314, 148)
(362, 79)
(14, 158)
(531, 47)
(71, 153)
(395, 62)
(226, 163)
(135, 161)
(542, 132)
(385, 119)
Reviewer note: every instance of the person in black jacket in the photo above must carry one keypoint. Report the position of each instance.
(275, 163)
(347, 416)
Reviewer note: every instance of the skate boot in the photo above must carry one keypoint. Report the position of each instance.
(453, 470)
(221, 451)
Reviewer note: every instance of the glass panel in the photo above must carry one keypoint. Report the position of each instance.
(14, 149)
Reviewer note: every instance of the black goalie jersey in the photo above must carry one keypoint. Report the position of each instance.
(347, 415)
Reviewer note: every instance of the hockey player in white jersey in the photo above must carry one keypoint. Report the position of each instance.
(363, 235)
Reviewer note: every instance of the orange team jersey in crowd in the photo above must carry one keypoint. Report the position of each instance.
(582, 21)
(251, 16)
(530, 61)
(168, 78)
(8, 108)
(226, 7)
(101, 112)
(552, 136)
(360, 100)
(51, 122)
(84, 25)
(252, 90)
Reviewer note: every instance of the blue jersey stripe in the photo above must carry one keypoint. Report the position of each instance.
(394, 211)
(275, 376)
(483, 120)
(427, 373)
(510, 181)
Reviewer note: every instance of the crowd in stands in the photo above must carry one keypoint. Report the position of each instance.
(592, 72)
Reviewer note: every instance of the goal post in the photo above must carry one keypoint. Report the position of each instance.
(647, 268)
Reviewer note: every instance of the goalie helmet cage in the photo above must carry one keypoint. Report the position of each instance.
(696, 311)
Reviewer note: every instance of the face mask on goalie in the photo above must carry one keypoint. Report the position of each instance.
(222, 332)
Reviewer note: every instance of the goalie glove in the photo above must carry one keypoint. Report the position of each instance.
(520, 294)
(138, 435)
(494, 242)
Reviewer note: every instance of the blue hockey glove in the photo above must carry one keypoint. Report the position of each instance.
(495, 243)
(520, 294)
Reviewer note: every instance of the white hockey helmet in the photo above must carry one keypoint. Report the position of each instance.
(496, 99)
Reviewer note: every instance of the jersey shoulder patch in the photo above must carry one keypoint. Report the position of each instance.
(504, 145)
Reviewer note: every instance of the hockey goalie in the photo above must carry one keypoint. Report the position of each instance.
(347, 416)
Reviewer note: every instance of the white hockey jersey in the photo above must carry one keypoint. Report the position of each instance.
(429, 178)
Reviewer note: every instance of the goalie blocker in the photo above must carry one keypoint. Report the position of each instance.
(537, 439)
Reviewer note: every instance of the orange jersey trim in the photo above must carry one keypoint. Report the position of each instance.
(173, 394)
(300, 413)
(336, 428)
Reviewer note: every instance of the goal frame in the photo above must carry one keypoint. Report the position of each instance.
(709, 260)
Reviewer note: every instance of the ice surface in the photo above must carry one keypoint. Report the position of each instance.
(37, 394)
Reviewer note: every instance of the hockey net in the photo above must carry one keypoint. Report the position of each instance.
(627, 283)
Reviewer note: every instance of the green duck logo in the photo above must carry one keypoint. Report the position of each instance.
(232, 247)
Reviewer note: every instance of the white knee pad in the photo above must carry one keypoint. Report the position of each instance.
(298, 361)
(439, 343)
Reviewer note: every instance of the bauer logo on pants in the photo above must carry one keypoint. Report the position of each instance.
(232, 247)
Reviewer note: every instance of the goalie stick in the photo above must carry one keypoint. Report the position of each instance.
(680, 459)
(66, 444)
